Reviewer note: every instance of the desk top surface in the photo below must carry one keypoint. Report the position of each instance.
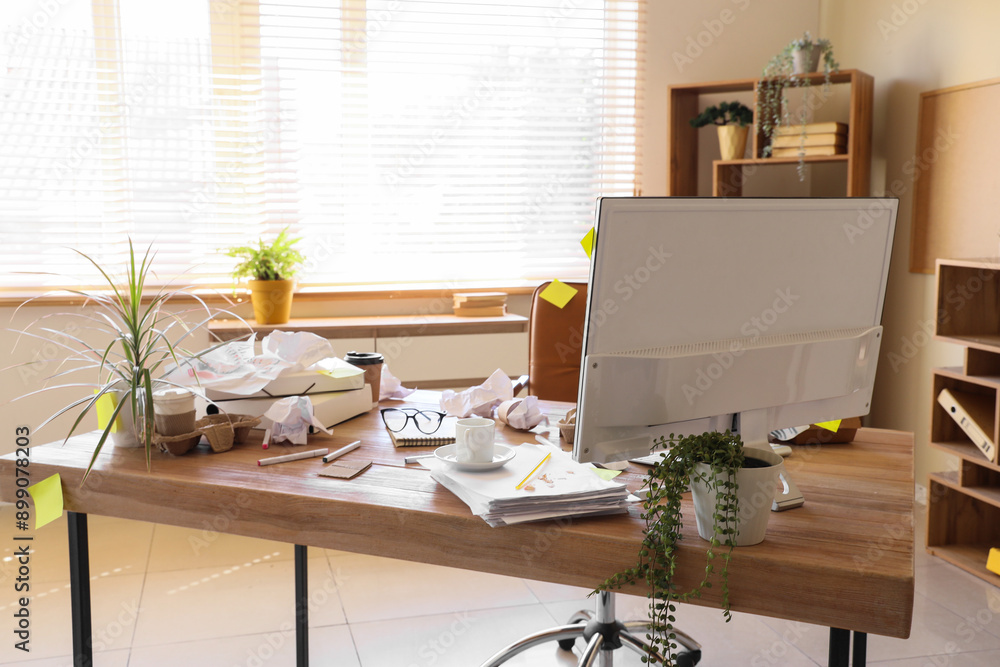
(844, 559)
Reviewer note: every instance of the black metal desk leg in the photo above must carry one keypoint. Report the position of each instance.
(79, 589)
(840, 647)
(301, 606)
(860, 649)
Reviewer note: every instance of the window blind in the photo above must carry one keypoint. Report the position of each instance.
(427, 142)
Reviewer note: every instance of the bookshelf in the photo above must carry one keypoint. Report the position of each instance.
(727, 175)
(963, 509)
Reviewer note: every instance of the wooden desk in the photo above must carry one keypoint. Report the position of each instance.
(844, 560)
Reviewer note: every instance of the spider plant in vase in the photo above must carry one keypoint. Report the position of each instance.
(126, 336)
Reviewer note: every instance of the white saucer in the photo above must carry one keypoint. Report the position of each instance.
(501, 454)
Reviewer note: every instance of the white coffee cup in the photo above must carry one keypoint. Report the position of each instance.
(173, 411)
(474, 440)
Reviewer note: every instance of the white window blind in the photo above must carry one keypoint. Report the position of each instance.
(407, 141)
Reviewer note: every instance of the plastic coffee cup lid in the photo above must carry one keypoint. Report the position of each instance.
(363, 358)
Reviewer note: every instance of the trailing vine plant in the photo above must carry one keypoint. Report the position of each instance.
(779, 74)
(657, 560)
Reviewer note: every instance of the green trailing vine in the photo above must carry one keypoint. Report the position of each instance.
(778, 76)
(657, 563)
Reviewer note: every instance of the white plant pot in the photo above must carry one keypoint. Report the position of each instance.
(124, 435)
(757, 487)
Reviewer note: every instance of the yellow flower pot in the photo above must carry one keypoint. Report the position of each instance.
(732, 141)
(272, 300)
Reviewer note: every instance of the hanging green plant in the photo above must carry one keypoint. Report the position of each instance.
(666, 484)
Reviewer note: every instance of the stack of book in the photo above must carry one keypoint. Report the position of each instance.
(481, 304)
(828, 138)
(561, 487)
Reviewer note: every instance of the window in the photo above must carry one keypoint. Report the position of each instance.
(419, 141)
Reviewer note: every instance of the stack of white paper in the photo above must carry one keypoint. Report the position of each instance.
(561, 487)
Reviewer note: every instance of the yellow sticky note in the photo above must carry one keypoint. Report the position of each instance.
(605, 474)
(342, 372)
(588, 243)
(993, 561)
(830, 426)
(558, 293)
(48, 498)
(105, 408)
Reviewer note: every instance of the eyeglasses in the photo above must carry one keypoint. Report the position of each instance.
(427, 421)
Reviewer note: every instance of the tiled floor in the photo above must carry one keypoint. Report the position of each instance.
(168, 596)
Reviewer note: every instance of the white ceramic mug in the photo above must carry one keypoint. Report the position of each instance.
(474, 440)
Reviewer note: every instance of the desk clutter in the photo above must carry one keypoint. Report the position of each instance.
(480, 304)
(539, 482)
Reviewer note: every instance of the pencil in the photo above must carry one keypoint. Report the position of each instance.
(293, 457)
(343, 450)
(533, 471)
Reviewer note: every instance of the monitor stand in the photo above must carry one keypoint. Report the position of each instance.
(752, 428)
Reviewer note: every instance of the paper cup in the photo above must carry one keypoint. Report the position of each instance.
(173, 411)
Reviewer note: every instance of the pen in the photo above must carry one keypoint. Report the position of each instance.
(343, 450)
(292, 457)
(267, 439)
(414, 459)
(533, 471)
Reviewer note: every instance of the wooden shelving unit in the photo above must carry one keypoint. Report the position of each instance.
(682, 139)
(963, 515)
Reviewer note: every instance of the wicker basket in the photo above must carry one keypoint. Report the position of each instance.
(222, 431)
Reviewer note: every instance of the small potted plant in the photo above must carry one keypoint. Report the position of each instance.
(732, 120)
(138, 337)
(791, 67)
(730, 506)
(270, 268)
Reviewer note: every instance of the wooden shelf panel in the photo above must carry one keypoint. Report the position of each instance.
(969, 557)
(742, 85)
(843, 157)
(986, 342)
(986, 494)
(965, 451)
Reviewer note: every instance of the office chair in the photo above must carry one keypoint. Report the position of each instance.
(555, 341)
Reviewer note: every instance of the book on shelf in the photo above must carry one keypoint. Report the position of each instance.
(481, 311)
(411, 436)
(975, 414)
(480, 299)
(808, 150)
(821, 139)
(828, 127)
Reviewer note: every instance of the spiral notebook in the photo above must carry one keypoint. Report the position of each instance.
(411, 436)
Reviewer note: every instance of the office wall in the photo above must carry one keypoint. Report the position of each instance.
(910, 46)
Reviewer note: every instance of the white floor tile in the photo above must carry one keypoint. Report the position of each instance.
(176, 548)
(978, 659)
(105, 659)
(458, 639)
(190, 605)
(115, 605)
(330, 645)
(381, 588)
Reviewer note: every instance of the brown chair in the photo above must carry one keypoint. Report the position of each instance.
(555, 339)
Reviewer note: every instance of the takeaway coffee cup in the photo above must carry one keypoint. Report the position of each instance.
(173, 411)
(474, 440)
(371, 364)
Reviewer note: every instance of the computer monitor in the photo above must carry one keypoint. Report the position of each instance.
(742, 314)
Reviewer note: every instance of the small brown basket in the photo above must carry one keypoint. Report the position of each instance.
(222, 431)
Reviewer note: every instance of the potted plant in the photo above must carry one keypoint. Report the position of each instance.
(270, 268)
(138, 337)
(732, 120)
(730, 507)
(791, 67)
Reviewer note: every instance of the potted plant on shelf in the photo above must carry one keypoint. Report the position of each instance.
(271, 269)
(137, 336)
(732, 121)
(733, 489)
(791, 68)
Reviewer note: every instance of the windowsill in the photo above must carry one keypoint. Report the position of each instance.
(224, 295)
